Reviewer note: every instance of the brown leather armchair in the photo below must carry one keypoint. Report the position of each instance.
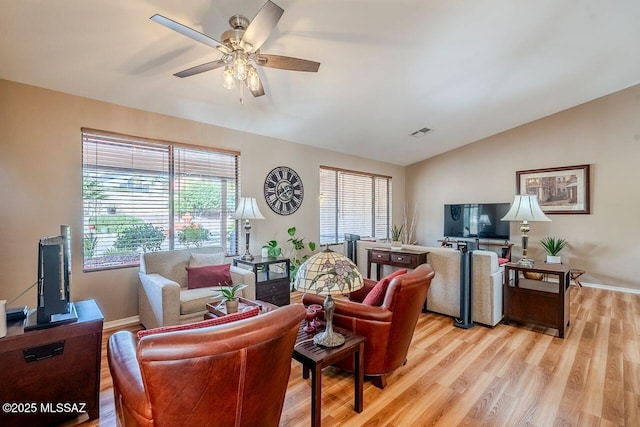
(234, 374)
(389, 328)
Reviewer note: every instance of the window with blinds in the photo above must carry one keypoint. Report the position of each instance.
(353, 202)
(142, 195)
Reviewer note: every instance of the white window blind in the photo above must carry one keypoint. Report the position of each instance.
(141, 195)
(353, 202)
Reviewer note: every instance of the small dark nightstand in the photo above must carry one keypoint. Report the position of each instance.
(271, 286)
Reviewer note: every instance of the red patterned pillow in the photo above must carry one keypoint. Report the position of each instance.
(209, 275)
(202, 324)
(376, 295)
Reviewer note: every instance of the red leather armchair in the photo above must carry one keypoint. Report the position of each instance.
(234, 374)
(389, 328)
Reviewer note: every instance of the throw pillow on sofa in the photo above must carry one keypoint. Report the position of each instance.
(209, 275)
(376, 295)
(202, 324)
(200, 260)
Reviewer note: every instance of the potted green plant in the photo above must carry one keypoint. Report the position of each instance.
(298, 245)
(272, 249)
(230, 298)
(553, 246)
(396, 237)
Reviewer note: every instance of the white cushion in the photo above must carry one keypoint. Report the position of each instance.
(201, 260)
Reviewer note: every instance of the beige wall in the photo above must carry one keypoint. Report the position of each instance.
(41, 185)
(604, 133)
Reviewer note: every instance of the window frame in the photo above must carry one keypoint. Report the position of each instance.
(224, 172)
(374, 208)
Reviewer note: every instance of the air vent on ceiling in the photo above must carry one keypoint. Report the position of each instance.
(421, 132)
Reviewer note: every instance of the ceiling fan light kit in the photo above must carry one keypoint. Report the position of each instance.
(240, 49)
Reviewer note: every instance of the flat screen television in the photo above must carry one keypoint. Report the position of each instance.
(476, 220)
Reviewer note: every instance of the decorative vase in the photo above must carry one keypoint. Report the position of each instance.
(232, 306)
(554, 259)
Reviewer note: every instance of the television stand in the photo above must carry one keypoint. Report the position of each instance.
(52, 375)
(56, 319)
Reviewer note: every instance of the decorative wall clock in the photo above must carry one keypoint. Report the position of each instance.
(455, 212)
(283, 190)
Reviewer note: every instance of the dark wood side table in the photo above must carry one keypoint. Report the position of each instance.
(315, 358)
(45, 369)
(540, 302)
(405, 258)
(272, 287)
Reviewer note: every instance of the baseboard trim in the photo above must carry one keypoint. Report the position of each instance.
(610, 288)
(121, 323)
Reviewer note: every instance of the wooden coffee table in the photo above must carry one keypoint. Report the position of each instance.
(217, 309)
(314, 358)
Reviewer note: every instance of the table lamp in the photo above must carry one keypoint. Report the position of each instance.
(328, 273)
(525, 208)
(247, 210)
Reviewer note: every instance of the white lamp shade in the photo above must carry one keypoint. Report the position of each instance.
(525, 207)
(484, 220)
(248, 209)
(328, 273)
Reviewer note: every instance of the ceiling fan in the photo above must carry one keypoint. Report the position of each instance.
(240, 49)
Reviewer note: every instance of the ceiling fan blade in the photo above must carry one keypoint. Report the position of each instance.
(262, 25)
(287, 63)
(189, 32)
(201, 68)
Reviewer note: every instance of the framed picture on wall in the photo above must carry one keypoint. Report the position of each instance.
(563, 190)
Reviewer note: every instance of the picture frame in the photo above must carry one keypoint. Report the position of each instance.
(561, 190)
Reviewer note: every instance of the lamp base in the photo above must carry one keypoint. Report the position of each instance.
(247, 256)
(328, 339)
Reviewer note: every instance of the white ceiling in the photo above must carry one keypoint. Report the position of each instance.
(467, 69)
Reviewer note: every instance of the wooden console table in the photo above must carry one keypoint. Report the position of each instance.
(406, 258)
(540, 302)
(51, 375)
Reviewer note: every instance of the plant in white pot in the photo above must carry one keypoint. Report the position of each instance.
(553, 246)
(396, 237)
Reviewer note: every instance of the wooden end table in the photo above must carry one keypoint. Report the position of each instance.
(541, 302)
(575, 274)
(314, 358)
(44, 368)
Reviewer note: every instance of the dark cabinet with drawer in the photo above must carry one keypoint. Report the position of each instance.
(404, 258)
(273, 285)
(49, 376)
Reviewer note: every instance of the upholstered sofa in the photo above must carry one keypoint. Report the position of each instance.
(444, 293)
(163, 296)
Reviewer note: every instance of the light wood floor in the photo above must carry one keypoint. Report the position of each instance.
(516, 375)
